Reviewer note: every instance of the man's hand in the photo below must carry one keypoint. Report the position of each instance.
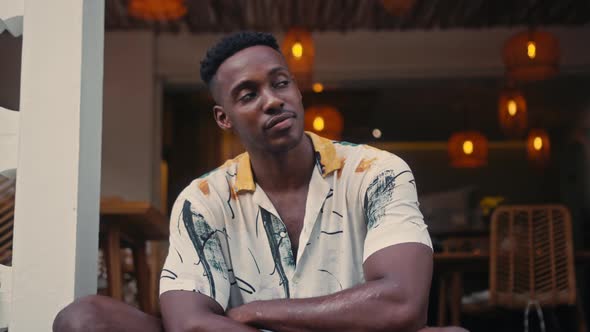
(184, 311)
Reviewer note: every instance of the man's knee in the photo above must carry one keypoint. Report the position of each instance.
(444, 329)
(84, 314)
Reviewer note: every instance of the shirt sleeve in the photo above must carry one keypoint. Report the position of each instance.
(195, 260)
(391, 208)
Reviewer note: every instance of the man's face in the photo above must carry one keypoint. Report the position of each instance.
(258, 99)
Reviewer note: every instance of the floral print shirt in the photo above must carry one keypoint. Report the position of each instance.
(227, 241)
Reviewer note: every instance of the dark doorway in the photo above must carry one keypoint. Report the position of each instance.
(191, 139)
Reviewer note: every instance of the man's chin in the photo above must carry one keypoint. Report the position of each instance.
(285, 142)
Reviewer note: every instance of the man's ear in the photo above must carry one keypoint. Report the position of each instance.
(221, 118)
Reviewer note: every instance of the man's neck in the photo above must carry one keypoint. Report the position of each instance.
(285, 171)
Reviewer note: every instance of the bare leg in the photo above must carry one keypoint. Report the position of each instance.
(444, 329)
(96, 313)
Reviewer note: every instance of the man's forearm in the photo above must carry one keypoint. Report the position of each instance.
(211, 322)
(374, 306)
(184, 311)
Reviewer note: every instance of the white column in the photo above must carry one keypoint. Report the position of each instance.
(8, 139)
(57, 202)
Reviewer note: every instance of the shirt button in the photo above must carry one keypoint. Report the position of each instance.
(283, 234)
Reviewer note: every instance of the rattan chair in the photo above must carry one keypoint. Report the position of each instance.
(532, 256)
(531, 260)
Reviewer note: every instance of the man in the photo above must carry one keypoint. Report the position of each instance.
(298, 234)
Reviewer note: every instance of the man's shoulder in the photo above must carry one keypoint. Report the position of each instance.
(215, 182)
(349, 148)
(226, 168)
(363, 157)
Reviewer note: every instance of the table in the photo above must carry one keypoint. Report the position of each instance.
(133, 223)
(446, 262)
(466, 261)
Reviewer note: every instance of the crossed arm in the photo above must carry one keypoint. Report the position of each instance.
(394, 298)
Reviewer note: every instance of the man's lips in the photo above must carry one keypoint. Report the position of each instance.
(277, 119)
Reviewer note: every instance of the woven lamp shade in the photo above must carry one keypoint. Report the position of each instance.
(531, 56)
(398, 7)
(468, 149)
(157, 10)
(512, 113)
(325, 121)
(531, 256)
(538, 147)
(299, 52)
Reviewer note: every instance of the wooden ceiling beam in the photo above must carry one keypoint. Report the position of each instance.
(121, 9)
(239, 14)
(448, 13)
(314, 12)
(407, 21)
(473, 14)
(379, 16)
(346, 15)
(439, 9)
(582, 14)
(349, 7)
(428, 14)
(357, 18)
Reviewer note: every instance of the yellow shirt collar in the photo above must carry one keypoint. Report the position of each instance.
(328, 160)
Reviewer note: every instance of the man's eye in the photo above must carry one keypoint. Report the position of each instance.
(282, 84)
(247, 97)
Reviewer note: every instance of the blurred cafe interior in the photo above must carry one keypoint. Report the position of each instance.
(488, 101)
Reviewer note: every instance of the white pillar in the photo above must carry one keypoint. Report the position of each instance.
(8, 139)
(57, 202)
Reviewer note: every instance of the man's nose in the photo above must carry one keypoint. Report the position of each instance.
(272, 103)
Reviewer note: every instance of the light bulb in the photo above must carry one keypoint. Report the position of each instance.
(512, 108)
(318, 87)
(318, 123)
(297, 50)
(538, 143)
(531, 49)
(468, 147)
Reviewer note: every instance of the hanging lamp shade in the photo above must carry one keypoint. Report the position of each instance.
(538, 147)
(512, 113)
(299, 52)
(397, 7)
(157, 10)
(468, 149)
(531, 55)
(325, 121)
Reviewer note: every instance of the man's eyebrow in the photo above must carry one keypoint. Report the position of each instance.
(241, 85)
(277, 69)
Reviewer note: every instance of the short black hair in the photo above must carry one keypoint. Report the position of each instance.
(231, 45)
